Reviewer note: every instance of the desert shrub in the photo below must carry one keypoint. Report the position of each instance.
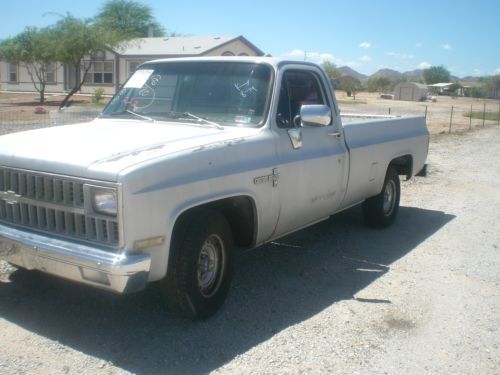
(98, 95)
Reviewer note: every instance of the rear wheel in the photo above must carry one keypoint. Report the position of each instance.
(380, 211)
(200, 267)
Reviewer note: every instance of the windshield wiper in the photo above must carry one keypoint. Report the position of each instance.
(203, 120)
(139, 115)
(132, 113)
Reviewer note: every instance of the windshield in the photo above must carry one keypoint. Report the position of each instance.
(209, 93)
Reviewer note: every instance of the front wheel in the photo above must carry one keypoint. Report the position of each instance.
(380, 211)
(200, 267)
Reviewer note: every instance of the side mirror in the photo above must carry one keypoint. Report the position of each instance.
(314, 115)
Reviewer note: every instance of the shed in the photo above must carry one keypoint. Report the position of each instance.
(411, 91)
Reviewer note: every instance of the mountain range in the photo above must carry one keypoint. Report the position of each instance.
(393, 75)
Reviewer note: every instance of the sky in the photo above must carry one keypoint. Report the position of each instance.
(463, 36)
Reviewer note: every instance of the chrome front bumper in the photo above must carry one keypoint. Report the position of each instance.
(85, 264)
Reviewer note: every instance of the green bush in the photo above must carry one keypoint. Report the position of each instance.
(98, 95)
(477, 92)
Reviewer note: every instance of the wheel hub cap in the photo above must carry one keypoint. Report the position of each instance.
(210, 263)
(389, 197)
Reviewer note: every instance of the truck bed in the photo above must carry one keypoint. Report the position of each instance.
(373, 142)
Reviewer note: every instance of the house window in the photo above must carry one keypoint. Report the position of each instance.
(50, 73)
(13, 73)
(100, 72)
(132, 66)
(228, 53)
(98, 55)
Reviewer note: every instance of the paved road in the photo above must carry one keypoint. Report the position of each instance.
(419, 297)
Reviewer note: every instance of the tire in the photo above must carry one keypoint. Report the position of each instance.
(380, 211)
(200, 267)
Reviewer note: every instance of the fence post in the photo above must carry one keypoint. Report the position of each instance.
(470, 118)
(389, 110)
(426, 112)
(484, 113)
(451, 119)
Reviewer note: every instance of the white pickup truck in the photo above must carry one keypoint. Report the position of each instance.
(191, 159)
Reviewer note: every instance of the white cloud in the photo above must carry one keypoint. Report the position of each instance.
(497, 71)
(477, 72)
(419, 45)
(424, 65)
(446, 46)
(296, 53)
(402, 56)
(365, 58)
(318, 57)
(365, 45)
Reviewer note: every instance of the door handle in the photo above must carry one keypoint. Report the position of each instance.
(335, 134)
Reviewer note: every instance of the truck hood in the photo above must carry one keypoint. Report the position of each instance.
(102, 148)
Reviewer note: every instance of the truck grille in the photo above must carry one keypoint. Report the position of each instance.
(53, 204)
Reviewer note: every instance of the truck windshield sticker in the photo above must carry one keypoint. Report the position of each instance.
(139, 78)
(245, 89)
(148, 93)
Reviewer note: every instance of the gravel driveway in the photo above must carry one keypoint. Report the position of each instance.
(419, 297)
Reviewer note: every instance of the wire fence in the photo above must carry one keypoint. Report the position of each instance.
(27, 119)
(440, 118)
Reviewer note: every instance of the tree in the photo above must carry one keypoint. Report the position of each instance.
(492, 86)
(380, 84)
(350, 85)
(476, 92)
(77, 38)
(130, 19)
(332, 72)
(33, 49)
(436, 74)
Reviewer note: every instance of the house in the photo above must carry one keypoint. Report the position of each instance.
(447, 88)
(410, 91)
(111, 67)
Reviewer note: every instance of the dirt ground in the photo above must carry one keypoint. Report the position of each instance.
(20, 107)
(439, 113)
(421, 297)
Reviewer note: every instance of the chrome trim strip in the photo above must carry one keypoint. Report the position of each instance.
(50, 205)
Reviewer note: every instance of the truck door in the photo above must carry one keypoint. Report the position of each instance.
(313, 160)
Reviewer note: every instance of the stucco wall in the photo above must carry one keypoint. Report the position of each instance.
(24, 83)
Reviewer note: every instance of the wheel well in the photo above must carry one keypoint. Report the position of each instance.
(403, 165)
(240, 213)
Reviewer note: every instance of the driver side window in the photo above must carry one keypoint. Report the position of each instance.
(298, 88)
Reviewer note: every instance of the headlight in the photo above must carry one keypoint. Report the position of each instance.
(104, 201)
